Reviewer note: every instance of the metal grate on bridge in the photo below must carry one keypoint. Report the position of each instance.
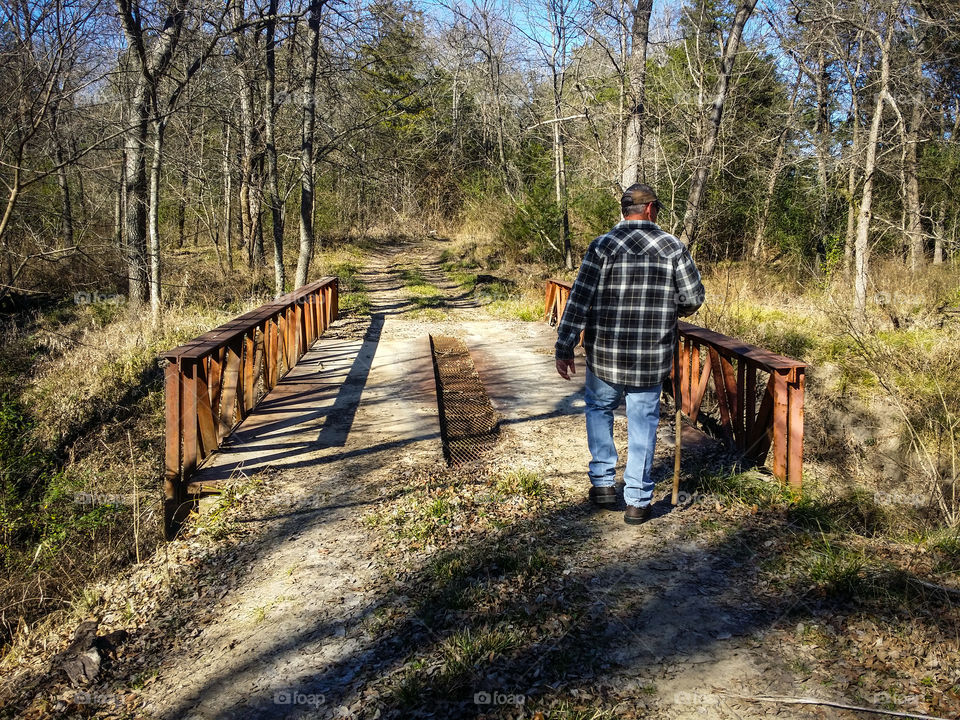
(468, 422)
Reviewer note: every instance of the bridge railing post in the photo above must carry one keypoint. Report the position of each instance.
(216, 380)
(732, 366)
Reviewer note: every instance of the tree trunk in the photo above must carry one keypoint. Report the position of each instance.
(560, 169)
(862, 246)
(938, 235)
(911, 186)
(66, 207)
(154, 217)
(119, 208)
(823, 138)
(151, 64)
(269, 115)
(227, 198)
(307, 238)
(853, 119)
(698, 182)
(637, 73)
(251, 229)
(558, 68)
(182, 206)
(135, 220)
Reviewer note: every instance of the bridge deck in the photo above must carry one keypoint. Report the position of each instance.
(378, 391)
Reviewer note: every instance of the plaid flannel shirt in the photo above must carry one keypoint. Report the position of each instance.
(632, 285)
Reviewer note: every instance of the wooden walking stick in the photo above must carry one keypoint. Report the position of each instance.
(679, 419)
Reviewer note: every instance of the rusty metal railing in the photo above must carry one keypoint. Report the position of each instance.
(752, 417)
(214, 381)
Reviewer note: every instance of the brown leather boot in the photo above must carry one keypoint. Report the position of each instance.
(637, 515)
(603, 495)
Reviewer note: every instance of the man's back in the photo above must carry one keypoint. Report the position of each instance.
(633, 283)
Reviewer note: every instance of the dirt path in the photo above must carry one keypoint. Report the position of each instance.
(361, 578)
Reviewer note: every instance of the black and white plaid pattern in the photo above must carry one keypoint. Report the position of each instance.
(633, 283)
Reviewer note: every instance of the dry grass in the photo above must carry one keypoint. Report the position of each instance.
(882, 389)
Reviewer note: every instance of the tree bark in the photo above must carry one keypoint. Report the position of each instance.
(154, 216)
(251, 228)
(938, 235)
(637, 74)
(698, 182)
(911, 186)
(63, 181)
(269, 115)
(150, 63)
(862, 246)
(135, 218)
(307, 237)
(558, 69)
(227, 198)
(823, 131)
(853, 209)
(119, 208)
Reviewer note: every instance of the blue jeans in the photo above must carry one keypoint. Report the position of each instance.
(643, 416)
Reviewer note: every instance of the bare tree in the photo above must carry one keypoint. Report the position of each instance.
(637, 75)
(698, 183)
(307, 236)
(41, 48)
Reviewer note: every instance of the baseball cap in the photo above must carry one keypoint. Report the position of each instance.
(638, 195)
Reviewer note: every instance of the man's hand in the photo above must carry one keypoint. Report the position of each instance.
(566, 368)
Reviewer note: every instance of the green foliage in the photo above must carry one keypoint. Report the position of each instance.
(854, 511)
(749, 487)
(532, 231)
(23, 467)
(593, 212)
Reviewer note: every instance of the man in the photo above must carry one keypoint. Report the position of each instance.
(633, 284)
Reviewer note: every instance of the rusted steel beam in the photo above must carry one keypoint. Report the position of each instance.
(231, 389)
(738, 424)
(249, 400)
(701, 390)
(215, 380)
(208, 435)
(730, 346)
(758, 443)
(188, 416)
(223, 334)
(271, 348)
(795, 454)
(780, 425)
(720, 389)
(549, 293)
(172, 438)
(694, 377)
(732, 393)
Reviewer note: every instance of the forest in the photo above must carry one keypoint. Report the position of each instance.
(825, 132)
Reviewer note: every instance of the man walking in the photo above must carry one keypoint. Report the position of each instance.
(633, 284)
